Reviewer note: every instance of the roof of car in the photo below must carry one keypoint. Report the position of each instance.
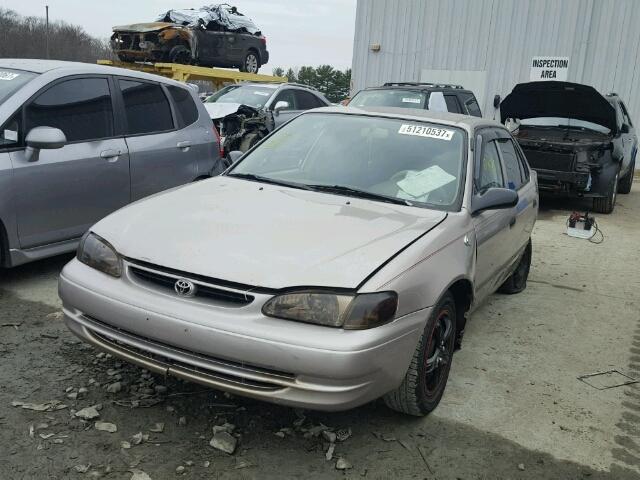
(71, 68)
(419, 86)
(453, 119)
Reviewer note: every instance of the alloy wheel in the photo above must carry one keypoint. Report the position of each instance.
(438, 353)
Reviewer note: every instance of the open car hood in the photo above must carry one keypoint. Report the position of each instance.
(558, 99)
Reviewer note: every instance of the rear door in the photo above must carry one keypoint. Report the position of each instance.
(492, 227)
(211, 46)
(62, 193)
(161, 155)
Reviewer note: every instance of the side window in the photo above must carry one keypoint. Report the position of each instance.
(490, 168)
(306, 100)
(471, 104)
(452, 104)
(146, 107)
(186, 110)
(286, 96)
(524, 165)
(10, 133)
(511, 164)
(80, 107)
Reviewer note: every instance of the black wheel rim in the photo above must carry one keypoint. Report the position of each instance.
(438, 353)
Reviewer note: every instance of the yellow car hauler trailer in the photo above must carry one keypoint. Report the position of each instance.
(185, 73)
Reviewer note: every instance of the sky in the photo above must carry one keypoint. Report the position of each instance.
(299, 32)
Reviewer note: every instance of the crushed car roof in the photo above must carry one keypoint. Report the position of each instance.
(558, 99)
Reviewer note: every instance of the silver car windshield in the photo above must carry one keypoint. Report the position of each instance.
(401, 98)
(254, 96)
(11, 80)
(395, 160)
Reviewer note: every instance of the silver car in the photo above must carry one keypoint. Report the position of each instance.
(332, 264)
(79, 141)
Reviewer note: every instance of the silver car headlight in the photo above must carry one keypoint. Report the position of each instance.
(351, 312)
(97, 253)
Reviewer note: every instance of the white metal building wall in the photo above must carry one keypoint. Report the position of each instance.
(500, 37)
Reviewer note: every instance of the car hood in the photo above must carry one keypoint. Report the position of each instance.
(144, 27)
(558, 99)
(220, 110)
(265, 235)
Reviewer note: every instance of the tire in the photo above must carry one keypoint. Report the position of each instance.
(517, 282)
(249, 140)
(426, 378)
(180, 54)
(627, 181)
(606, 204)
(251, 62)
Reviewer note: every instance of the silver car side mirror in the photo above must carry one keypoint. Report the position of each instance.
(280, 105)
(40, 138)
(493, 199)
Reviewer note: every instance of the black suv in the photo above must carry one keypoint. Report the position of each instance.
(430, 96)
(580, 142)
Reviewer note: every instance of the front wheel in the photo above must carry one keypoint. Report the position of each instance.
(605, 204)
(426, 378)
(251, 64)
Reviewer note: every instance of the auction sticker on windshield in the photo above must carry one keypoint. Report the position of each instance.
(4, 75)
(411, 100)
(429, 132)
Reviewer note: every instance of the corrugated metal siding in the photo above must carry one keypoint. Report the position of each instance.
(600, 37)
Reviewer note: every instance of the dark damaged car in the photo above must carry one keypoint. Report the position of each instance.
(214, 36)
(580, 142)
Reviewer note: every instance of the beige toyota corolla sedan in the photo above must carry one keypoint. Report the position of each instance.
(332, 264)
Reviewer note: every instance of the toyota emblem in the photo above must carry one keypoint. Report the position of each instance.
(184, 288)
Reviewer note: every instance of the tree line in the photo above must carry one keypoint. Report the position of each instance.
(25, 37)
(334, 84)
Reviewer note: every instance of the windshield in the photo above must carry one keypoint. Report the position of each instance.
(402, 98)
(403, 161)
(564, 122)
(254, 96)
(11, 80)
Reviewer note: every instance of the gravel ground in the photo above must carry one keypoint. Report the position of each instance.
(163, 427)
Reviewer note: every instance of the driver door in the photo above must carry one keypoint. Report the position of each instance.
(286, 114)
(492, 227)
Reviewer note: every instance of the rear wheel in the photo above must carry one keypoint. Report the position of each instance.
(627, 181)
(251, 64)
(426, 378)
(606, 204)
(517, 282)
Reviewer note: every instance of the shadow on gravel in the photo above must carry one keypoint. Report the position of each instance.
(41, 361)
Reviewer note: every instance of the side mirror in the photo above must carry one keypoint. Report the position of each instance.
(280, 105)
(496, 101)
(493, 199)
(43, 138)
(235, 155)
(624, 128)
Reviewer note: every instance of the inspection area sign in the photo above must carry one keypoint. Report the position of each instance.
(549, 68)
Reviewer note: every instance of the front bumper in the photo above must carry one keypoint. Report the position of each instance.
(237, 349)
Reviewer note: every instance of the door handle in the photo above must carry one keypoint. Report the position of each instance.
(512, 222)
(184, 146)
(111, 155)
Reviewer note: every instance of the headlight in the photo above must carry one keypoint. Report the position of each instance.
(99, 254)
(350, 312)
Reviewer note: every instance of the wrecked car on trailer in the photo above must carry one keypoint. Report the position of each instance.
(213, 36)
(580, 142)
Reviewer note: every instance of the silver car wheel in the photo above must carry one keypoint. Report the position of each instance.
(251, 63)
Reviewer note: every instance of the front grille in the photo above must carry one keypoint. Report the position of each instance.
(167, 281)
(211, 373)
(560, 162)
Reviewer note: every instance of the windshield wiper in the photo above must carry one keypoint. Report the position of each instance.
(272, 181)
(354, 192)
